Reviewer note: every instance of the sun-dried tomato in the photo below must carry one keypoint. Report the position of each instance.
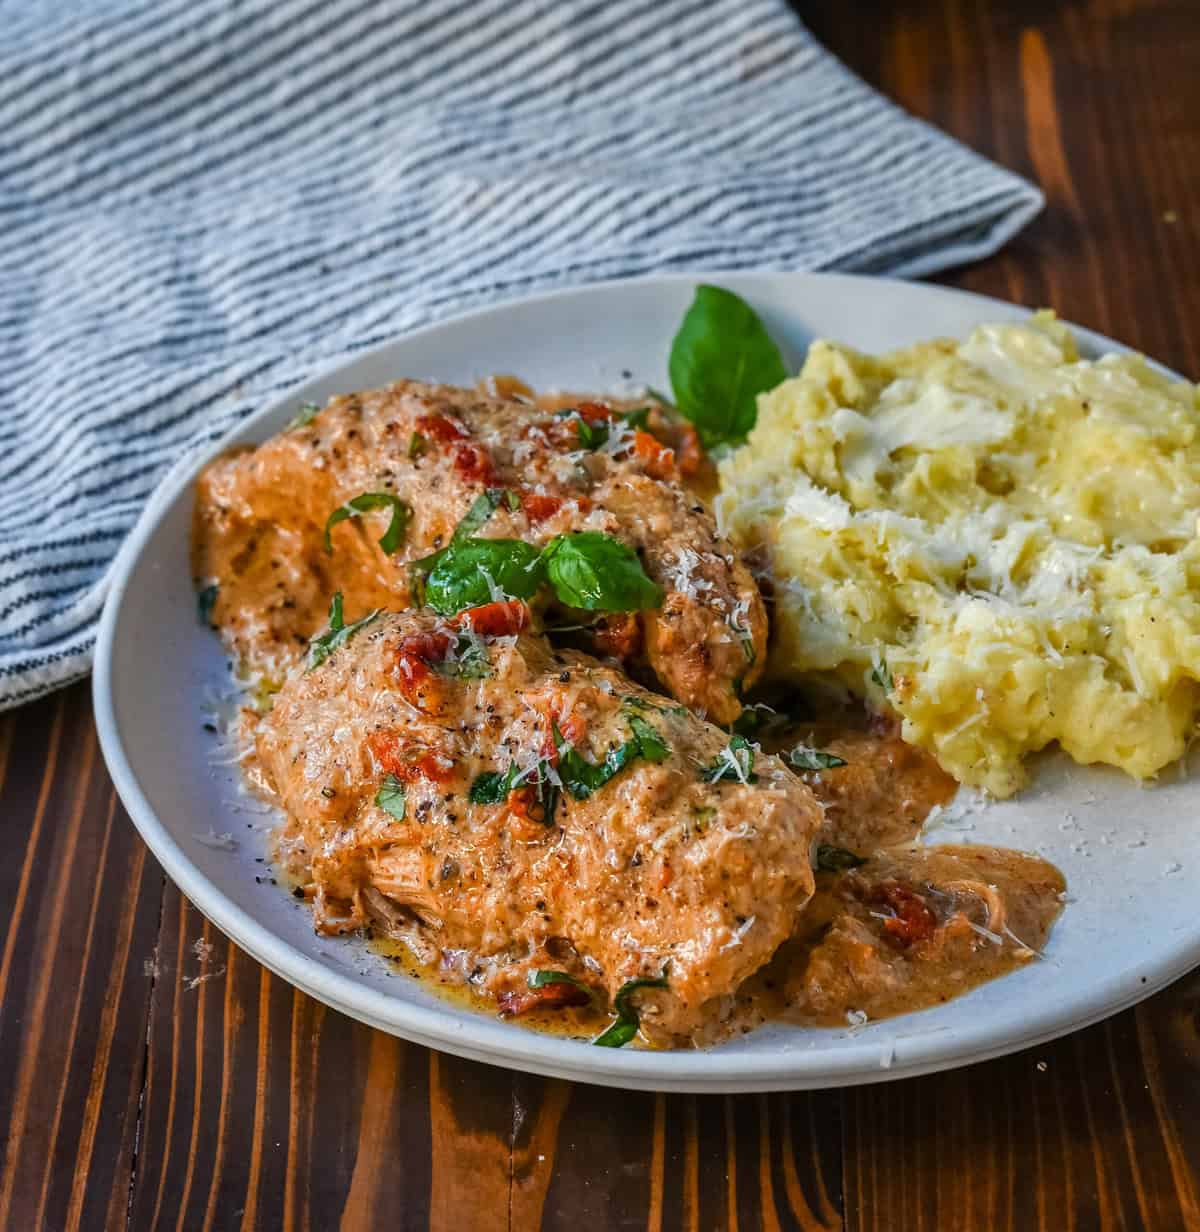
(411, 660)
(441, 428)
(474, 464)
(539, 506)
(595, 412)
(573, 728)
(911, 920)
(549, 996)
(500, 619)
(657, 459)
(410, 763)
(690, 453)
(618, 635)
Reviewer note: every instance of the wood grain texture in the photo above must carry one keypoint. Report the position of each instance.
(153, 1076)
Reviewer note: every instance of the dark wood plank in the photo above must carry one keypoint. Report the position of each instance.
(618, 1159)
(81, 898)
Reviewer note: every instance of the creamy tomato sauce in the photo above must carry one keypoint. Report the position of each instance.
(891, 926)
(908, 928)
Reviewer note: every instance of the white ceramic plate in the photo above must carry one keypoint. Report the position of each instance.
(1130, 854)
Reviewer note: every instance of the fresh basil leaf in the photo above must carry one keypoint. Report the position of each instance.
(338, 633)
(206, 600)
(392, 797)
(625, 1026)
(592, 436)
(491, 787)
(417, 445)
(595, 572)
(638, 419)
(722, 358)
(734, 764)
(540, 979)
(634, 702)
(470, 660)
(581, 777)
(455, 579)
(365, 503)
(482, 508)
(804, 758)
(651, 745)
(303, 417)
(836, 859)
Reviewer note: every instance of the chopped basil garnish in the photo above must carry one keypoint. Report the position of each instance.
(365, 503)
(492, 787)
(634, 702)
(595, 572)
(837, 859)
(804, 758)
(625, 1026)
(881, 674)
(457, 577)
(650, 744)
(482, 508)
(304, 416)
(470, 660)
(338, 633)
(206, 600)
(392, 797)
(735, 763)
(722, 358)
(582, 777)
(748, 649)
(540, 979)
(592, 435)
(417, 445)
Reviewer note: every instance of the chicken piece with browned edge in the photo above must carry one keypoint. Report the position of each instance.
(508, 809)
(405, 464)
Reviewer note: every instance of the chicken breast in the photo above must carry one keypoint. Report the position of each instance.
(431, 450)
(509, 809)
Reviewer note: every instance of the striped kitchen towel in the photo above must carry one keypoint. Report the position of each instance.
(201, 201)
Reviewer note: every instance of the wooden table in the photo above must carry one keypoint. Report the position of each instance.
(153, 1076)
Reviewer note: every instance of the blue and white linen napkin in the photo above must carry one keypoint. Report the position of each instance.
(201, 201)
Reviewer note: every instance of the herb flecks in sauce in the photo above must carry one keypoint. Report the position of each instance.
(625, 1026)
(804, 758)
(367, 502)
(337, 634)
(734, 764)
(392, 797)
(832, 859)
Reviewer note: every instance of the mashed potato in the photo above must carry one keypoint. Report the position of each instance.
(995, 535)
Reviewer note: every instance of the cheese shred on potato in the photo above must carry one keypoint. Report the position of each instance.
(996, 537)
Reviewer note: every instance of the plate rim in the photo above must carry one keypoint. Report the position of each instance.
(451, 1030)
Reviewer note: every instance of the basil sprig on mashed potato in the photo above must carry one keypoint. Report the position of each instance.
(1010, 528)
